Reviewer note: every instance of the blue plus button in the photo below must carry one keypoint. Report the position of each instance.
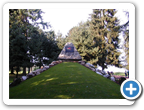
(131, 89)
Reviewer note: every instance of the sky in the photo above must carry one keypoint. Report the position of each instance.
(62, 20)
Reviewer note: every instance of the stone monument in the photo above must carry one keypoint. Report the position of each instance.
(69, 53)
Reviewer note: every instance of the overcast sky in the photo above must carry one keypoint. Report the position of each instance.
(62, 20)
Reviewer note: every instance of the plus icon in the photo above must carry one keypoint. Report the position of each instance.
(131, 89)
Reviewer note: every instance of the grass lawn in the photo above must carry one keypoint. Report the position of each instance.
(119, 74)
(66, 81)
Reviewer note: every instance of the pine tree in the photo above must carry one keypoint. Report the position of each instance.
(80, 37)
(20, 25)
(61, 41)
(18, 49)
(43, 44)
(105, 31)
(53, 48)
(25, 16)
(113, 28)
(98, 32)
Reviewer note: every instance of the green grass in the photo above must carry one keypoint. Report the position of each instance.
(13, 76)
(10, 79)
(119, 73)
(66, 81)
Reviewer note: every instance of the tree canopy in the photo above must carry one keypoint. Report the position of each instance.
(28, 44)
(97, 40)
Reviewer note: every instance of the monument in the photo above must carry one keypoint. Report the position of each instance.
(69, 53)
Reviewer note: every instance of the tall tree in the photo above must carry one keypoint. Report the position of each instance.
(98, 32)
(104, 28)
(43, 44)
(18, 49)
(80, 37)
(61, 41)
(52, 49)
(22, 22)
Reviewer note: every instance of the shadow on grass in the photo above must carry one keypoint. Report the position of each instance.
(66, 81)
(43, 81)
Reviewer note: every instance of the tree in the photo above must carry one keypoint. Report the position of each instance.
(98, 32)
(97, 40)
(18, 50)
(27, 15)
(105, 32)
(52, 47)
(80, 37)
(25, 20)
(61, 41)
(42, 44)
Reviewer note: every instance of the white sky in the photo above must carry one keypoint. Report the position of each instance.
(62, 20)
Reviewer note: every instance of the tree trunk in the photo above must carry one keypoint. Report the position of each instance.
(24, 71)
(17, 72)
(12, 70)
(28, 69)
(103, 68)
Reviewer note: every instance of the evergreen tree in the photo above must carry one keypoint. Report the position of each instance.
(18, 50)
(98, 36)
(80, 37)
(61, 41)
(20, 24)
(113, 42)
(104, 28)
(97, 40)
(53, 49)
(43, 44)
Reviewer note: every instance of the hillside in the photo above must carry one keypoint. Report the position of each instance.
(66, 80)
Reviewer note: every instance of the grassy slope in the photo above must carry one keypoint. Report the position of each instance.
(66, 80)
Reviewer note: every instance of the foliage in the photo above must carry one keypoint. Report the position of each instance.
(61, 41)
(97, 40)
(25, 37)
(104, 28)
(80, 37)
(17, 51)
(73, 82)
